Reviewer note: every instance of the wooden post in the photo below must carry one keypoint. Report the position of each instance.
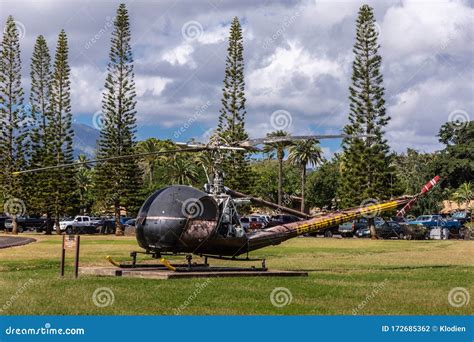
(70, 242)
(76, 260)
(63, 255)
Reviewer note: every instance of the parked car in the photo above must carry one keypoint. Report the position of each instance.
(124, 219)
(362, 227)
(245, 223)
(25, 223)
(2, 222)
(106, 225)
(257, 222)
(431, 221)
(278, 220)
(436, 221)
(461, 216)
(256, 225)
(79, 225)
(398, 219)
(350, 228)
(129, 227)
(363, 232)
(263, 218)
(389, 229)
(328, 232)
(347, 229)
(130, 223)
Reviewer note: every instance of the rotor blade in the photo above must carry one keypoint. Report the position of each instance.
(268, 204)
(212, 147)
(137, 155)
(271, 140)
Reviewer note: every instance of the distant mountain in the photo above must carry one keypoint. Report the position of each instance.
(85, 140)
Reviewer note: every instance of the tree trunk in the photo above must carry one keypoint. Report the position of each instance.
(152, 171)
(81, 201)
(303, 185)
(56, 224)
(49, 224)
(118, 225)
(14, 225)
(373, 232)
(280, 180)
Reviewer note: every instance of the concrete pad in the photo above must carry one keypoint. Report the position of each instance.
(160, 273)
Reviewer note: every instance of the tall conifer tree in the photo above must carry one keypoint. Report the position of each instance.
(231, 126)
(366, 170)
(61, 182)
(13, 124)
(118, 181)
(41, 138)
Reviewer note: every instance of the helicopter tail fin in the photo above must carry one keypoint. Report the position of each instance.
(427, 187)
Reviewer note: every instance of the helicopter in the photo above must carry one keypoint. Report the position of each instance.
(180, 219)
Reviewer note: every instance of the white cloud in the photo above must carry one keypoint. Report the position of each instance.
(288, 75)
(152, 85)
(328, 13)
(182, 54)
(215, 35)
(418, 113)
(415, 28)
(86, 88)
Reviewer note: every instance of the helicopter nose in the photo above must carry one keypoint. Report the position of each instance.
(168, 213)
(160, 232)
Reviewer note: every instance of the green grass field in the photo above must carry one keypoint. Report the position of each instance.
(346, 276)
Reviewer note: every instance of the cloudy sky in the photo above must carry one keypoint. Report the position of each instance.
(298, 57)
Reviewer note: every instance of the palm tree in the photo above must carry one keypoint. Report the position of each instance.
(279, 149)
(82, 159)
(464, 194)
(149, 162)
(182, 170)
(301, 154)
(205, 159)
(83, 181)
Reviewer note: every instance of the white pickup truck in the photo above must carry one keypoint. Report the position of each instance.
(80, 224)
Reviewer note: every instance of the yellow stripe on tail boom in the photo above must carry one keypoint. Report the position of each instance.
(320, 223)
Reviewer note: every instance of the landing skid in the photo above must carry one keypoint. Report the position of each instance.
(189, 266)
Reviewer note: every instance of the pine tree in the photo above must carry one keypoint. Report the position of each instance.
(118, 181)
(13, 140)
(40, 116)
(61, 184)
(231, 126)
(366, 162)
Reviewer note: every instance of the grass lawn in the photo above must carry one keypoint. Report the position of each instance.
(346, 276)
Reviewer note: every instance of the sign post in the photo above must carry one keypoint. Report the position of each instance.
(70, 241)
(63, 255)
(76, 260)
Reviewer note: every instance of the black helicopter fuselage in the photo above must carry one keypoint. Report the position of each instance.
(182, 219)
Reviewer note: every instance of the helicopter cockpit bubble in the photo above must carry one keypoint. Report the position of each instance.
(174, 216)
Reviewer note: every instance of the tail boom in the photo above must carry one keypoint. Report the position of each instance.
(278, 234)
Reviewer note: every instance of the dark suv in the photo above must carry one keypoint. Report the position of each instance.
(389, 229)
(26, 223)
